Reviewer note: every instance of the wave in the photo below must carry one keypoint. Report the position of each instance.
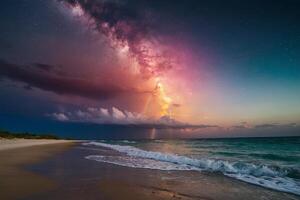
(128, 141)
(138, 162)
(270, 156)
(273, 177)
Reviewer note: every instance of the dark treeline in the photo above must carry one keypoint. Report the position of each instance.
(10, 135)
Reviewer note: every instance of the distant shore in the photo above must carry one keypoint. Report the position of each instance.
(9, 140)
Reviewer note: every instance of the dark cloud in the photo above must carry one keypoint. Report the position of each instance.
(242, 125)
(275, 125)
(44, 67)
(266, 125)
(245, 125)
(27, 87)
(60, 84)
(50, 68)
(239, 126)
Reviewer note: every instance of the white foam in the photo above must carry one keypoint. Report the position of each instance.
(128, 161)
(128, 141)
(277, 183)
(261, 175)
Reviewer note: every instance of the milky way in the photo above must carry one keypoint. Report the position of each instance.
(128, 29)
(131, 32)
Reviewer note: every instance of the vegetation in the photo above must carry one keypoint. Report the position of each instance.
(10, 135)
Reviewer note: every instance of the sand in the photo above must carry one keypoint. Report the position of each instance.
(19, 143)
(17, 182)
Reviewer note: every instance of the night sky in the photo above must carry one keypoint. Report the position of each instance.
(189, 68)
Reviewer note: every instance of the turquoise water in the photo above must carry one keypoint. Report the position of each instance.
(274, 151)
(269, 162)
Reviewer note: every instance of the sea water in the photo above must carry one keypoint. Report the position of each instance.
(269, 162)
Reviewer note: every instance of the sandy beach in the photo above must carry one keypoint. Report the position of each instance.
(17, 182)
(6, 144)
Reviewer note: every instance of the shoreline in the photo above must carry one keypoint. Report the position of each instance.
(82, 178)
(60, 171)
(16, 154)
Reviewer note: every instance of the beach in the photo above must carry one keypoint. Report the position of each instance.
(61, 171)
(15, 181)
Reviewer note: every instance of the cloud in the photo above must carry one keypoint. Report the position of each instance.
(275, 125)
(118, 114)
(242, 125)
(103, 115)
(60, 116)
(61, 84)
(44, 67)
(119, 117)
(245, 125)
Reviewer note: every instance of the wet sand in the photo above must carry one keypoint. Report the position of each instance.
(17, 182)
(79, 178)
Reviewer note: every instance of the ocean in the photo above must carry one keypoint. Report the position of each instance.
(272, 163)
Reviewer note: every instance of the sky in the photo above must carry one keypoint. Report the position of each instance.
(197, 68)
